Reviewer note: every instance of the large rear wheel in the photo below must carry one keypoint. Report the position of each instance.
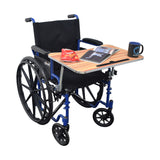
(34, 91)
(89, 95)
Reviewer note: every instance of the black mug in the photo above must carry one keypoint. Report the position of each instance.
(134, 49)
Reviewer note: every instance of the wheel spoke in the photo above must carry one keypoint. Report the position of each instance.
(91, 93)
(42, 89)
(25, 86)
(28, 98)
(83, 93)
(102, 113)
(41, 100)
(30, 74)
(39, 109)
(33, 106)
(25, 75)
(35, 82)
(37, 103)
(107, 120)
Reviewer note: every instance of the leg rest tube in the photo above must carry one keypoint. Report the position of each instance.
(65, 119)
(108, 93)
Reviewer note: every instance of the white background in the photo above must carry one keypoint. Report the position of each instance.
(135, 133)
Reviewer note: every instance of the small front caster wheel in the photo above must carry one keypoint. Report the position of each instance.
(103, 117)
(60, 133)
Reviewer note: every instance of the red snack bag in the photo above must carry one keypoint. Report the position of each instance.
(69, 55)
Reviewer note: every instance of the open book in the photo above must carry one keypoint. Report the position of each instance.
(99, 54)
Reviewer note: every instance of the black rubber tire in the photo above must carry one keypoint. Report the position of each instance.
(60, 134)
(36, 102)
(87, 103)
(103, 117)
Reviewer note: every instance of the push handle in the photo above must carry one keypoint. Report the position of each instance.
(29, 20)
(73, 16)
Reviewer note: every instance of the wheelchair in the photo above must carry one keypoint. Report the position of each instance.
(38, 79)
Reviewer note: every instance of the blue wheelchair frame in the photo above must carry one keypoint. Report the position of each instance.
(65, 119)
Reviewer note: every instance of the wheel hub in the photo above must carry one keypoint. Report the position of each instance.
(104, 117)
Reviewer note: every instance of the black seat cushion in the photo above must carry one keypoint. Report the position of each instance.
(72, 80)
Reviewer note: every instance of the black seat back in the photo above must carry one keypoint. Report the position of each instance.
(55, 35)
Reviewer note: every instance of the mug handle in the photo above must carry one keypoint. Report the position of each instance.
(142, 49)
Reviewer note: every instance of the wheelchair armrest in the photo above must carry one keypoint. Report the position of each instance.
(39, 50)
(92, 41)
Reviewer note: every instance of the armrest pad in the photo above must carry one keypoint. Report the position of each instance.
(92, 41)
(39, 50)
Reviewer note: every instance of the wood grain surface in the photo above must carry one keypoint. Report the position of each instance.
(87, 67)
